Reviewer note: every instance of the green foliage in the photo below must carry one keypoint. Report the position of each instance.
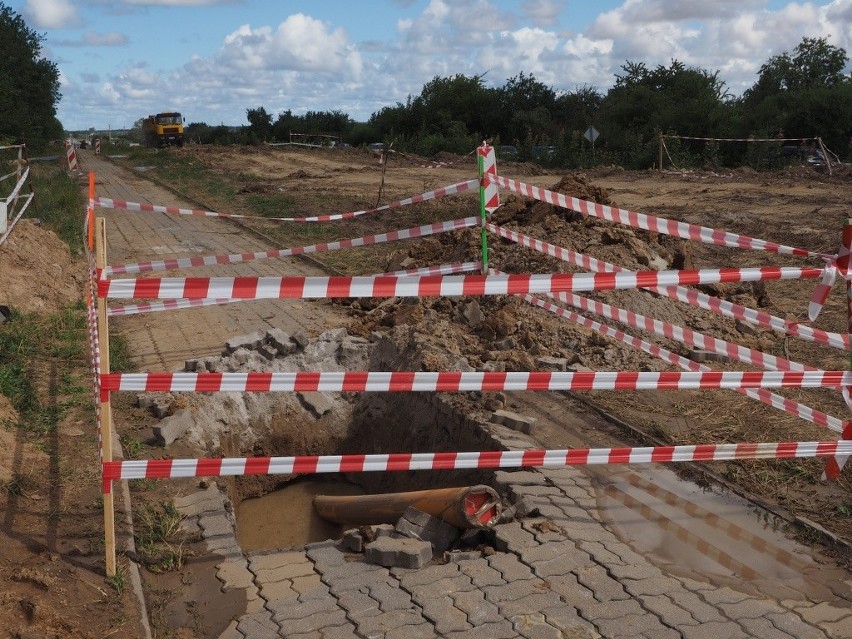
(800, 95)
(59, 204)
(29, 84)
(57, 342)
(158, 537)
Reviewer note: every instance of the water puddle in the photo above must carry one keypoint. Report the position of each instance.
(708, 534)
(286, 518)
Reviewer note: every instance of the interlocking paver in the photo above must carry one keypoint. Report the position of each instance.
(601, 553)
(234, 575)
(698, 608)
(278, 592)
(654, 586)
(474, 605)
(534, 601)
(272, 561)
(665, 609)
(512, 591)
(378, 625)
(534, 626)
(481, 573)
(569, 622)
(596, 611)
(793, 625)
(603, 586)
(512, 537)
(750, 609)
(714, 630)
(310, 587)
(418, 631)
(510, 567)
(825, 611)
(631, 626)
(567, 587)
(717, 596)
(764, 629)
(325, 555)
(443, 613)
(258, 626)
(390, 597)
(409, 578)
(502, 630)
(218, 525)
(441, 587)
(346, 631)
(301, 610)
(359, 604)
(318, 621)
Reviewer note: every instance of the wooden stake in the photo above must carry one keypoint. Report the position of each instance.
(661, 151)
(825, 156)
(90, 213)
(106, 409)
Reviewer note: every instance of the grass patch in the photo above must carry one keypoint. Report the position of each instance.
(131, 446)
(59, 204)
(53, 349)
(158, 537)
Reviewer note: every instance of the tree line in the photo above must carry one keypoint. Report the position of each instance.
(798, 94)
(803, 93)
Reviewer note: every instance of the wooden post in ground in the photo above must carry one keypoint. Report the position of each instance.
(660, 165)
(106, 410)
(90, 213)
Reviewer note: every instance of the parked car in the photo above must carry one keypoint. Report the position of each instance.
(507, 151)
(377, 147)
(818, 159)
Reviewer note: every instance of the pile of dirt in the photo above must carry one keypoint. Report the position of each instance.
(37, 271)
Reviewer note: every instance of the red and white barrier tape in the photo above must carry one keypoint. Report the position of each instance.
(350, 463)
(685, 335)
(650, 222)
(429, 286)
(459, 187)
(455, 381)
(772, 399)
(686, 137)
(167, 305)
(367, 240)
(688, 296)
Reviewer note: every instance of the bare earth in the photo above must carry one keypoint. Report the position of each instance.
(49, 565)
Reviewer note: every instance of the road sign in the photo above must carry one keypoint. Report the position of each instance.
(591, 134)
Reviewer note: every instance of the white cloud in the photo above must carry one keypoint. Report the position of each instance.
(304, 63)
(52, 14)
(300, 43)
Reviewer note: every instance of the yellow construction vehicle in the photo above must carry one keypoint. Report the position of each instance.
(163, 129)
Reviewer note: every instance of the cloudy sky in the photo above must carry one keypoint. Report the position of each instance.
(212, 59)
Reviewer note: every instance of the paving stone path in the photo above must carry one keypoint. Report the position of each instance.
(560, 575)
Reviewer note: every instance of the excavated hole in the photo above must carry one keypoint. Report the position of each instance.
(277, 512)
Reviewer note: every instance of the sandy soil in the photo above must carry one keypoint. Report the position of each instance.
(50, 579)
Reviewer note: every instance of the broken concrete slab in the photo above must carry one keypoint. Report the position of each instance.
(400, 552)
(318, 403)
(173, 428)
(416, 524)
(280, 341)
(252, 341)
(515, 421)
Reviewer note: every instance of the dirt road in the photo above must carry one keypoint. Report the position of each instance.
(163, 342)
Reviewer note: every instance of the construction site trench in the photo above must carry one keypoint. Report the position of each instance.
(673, 558)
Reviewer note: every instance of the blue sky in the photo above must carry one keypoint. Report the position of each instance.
(212, 59)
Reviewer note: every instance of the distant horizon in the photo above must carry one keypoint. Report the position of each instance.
(117, 63)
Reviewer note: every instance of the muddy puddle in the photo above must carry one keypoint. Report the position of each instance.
(707, 534)
(285, 518)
